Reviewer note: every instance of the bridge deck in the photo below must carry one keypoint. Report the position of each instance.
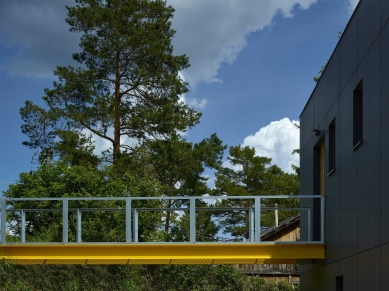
(154, 253)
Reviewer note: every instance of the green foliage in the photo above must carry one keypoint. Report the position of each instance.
(317, 78)
(295, 168)
(197, 277)
(75, 148)
(128, 81)
(259, 284)
(179, 164)
(70, 277)
(206, 228)
(134, 278)
(253, 176)
(63, 180)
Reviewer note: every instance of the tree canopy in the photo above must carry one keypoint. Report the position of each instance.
(128, 82)
(252, 175)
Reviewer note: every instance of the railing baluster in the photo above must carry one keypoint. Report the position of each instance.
(79, 228)
(257, 219)
(65, 220)
(3, 220)
(23, 225)
(251, 225)
(192, 215)
(136, 225)
(128, 220)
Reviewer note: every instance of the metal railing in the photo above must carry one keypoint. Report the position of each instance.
(187, 205)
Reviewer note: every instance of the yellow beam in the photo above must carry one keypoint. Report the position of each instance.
(232, 253)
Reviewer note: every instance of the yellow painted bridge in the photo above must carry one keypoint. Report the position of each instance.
(18, 246)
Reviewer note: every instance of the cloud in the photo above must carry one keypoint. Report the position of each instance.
(277, 141)
(214, 32)
(39, 35)
(209, 32)
(351, 4)
(194, 102)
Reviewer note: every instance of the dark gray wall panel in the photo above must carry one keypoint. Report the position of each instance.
(385, 136)
(385, 267)
(319, 104)
(348, 51)
(332, 191)
(384, 12)
(369, 156)
(306, 121)
(331, 271)
(320, 279)
(369, 270)
(330, 78)
(347, 174)
(369, 25)
(306, 280)
(348, 268)
(326, 91)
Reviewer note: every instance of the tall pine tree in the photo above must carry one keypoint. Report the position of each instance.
(128, 84)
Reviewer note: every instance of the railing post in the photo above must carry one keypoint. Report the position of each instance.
(79, 229)
(309, 224)
(3, 221)
(192, 215)
(65, 220)
(257, 219)
(128, 220)
(23, 226)
(251, 225)
(322, 219)
(136, 225)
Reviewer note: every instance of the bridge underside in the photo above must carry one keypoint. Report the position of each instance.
(183, 253)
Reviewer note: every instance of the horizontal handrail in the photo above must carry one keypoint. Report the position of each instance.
(131, 213)
(163, 198)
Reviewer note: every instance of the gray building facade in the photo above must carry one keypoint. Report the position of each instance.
(347, 158)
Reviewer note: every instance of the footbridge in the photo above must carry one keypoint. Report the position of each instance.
(159, 230)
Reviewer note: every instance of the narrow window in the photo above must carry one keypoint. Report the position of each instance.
(331, 150)
(358, 115)
(339, 283)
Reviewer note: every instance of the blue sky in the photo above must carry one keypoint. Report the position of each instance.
(252, 64)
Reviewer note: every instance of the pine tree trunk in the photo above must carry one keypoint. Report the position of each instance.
(116, 145)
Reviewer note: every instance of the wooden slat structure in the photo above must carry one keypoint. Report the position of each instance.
(287, 231)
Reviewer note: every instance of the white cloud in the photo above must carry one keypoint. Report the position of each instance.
(213, 32)
(209, 32)
(277, 141)
(351, 4)
(194, 102)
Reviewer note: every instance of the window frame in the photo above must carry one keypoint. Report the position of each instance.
(331, 147)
